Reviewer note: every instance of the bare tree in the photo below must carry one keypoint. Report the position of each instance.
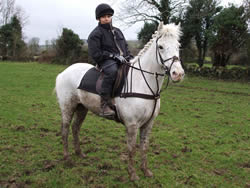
(21, 15)
(135, 11)
(8, 10)
(246, 4)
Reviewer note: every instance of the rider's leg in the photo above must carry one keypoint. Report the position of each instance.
(109, 68)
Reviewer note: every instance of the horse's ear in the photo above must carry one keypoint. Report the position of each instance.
(179, 25)
(160, 26)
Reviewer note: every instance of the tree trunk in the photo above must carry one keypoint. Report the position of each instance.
(4, 50)
(220, 59)
(200, 61)
(200, 50)
(204, 51)
(14, 47)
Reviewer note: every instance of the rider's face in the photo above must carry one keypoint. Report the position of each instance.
(106, 19)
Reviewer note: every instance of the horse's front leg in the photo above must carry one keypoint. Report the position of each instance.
(144, 139)
(131, 141)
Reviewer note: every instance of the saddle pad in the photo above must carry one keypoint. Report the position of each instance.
(91, 78)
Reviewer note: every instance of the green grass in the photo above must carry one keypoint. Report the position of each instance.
(208, 59)
(200, 139)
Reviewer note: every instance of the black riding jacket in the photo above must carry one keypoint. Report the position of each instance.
(101, 43)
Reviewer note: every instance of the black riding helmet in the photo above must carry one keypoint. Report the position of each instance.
(103, 9)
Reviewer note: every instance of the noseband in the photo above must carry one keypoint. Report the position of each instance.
(162, 61)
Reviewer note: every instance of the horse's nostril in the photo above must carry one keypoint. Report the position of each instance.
(174, 73)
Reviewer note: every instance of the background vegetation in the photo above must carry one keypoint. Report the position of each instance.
(209, 30)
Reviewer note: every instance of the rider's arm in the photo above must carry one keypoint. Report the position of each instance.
(95, 50)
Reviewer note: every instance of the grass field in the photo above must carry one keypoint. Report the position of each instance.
(200, 139)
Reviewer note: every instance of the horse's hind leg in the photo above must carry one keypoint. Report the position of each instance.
(144, 137)
(80, 115)
(67, 115)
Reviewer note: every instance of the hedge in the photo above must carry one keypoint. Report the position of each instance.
(235, 73)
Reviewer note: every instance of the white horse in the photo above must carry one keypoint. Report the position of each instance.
(160, 55)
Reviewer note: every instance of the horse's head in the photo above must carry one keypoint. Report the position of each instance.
(167, 49)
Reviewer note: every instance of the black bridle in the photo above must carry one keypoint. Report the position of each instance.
(162, 61)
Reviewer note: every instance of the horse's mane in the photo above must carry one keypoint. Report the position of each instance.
(169, 30)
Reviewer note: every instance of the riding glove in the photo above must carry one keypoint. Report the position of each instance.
(119, 58)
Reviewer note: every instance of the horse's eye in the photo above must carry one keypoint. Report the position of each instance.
(161, 47)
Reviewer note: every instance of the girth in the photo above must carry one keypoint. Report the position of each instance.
(140, 95)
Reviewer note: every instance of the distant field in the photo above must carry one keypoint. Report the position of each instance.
(200, 139)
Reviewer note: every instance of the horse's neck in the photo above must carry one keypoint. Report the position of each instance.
(148, 63)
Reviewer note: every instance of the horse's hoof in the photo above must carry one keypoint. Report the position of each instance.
(69, 163)
(148, 173)
(81, 155)
(66, 157)
(134, 177)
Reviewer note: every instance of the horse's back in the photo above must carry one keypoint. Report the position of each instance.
(71, 76)
(68, 81)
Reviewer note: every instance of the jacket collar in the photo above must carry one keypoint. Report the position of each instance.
(105, 26)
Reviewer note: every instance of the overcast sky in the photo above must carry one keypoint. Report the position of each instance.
(46, 18)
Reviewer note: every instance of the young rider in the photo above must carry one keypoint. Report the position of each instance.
(108, 48)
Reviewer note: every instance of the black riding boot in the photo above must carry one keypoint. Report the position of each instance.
(105, 107)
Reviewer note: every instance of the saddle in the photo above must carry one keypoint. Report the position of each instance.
(92, 80)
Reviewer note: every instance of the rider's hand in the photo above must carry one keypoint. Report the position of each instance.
(129, 57)
(119, 59)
